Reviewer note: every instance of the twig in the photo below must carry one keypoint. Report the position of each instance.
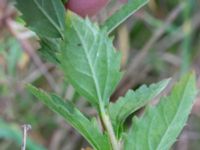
(158, 33)
(177, 36)
(139, 58)
(123, 43)
(35, 74)
(30, 51)
(26, 128)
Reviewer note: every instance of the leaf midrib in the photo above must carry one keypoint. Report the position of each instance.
(57, 14)
(49, 18)
(175, 116)
(90, 64)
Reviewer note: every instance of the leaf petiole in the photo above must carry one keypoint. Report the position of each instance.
(109, 128)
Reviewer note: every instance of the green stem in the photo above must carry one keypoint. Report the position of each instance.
(108, 125)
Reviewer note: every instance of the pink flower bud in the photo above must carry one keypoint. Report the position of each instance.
(86, 7)
(123, 1)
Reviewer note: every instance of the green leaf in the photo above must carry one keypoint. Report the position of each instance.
(89, 60)
(64, 1)
(132, 101)
(159, 127)
(45, 17)
(74, 117)
(49, 48)
(121, 15)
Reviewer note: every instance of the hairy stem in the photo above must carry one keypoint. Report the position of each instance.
(109, 128)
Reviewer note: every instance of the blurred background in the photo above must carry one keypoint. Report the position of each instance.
(161, 40)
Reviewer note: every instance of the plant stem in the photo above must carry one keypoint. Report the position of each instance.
(25, 128)
(109, 128)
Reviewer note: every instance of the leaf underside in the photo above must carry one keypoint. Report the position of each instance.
(132, 101)
(74, 117)
(159, 127)
(89, 60)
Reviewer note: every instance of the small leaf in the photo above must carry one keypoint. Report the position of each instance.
(132, 101)
(45, 17)
(159, 127)
(74, 117)
(120, 16)
(89, 60)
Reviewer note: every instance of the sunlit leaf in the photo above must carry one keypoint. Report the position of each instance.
(89, 60)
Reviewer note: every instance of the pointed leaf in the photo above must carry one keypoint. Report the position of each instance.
(45, 17)
(159, 127)
(121, 15)
(89, 60)
(74, 117)
(132, 101)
